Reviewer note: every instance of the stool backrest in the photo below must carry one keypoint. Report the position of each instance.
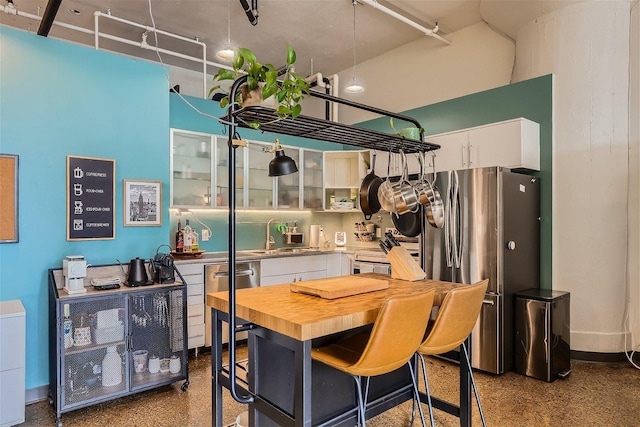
(397, 333)
(456, 318)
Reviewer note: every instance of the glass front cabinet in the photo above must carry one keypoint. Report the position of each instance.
(109, 344)
(200, 174)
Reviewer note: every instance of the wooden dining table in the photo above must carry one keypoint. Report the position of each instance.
(285, 386)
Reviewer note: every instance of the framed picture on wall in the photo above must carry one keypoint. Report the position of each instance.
(142, 202)
(8, 198)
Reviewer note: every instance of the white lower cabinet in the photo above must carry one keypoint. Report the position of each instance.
(12, 362)
(289, 269)
(193, 274)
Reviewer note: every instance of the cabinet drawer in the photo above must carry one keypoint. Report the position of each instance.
(190, 269)
(195, 315)
(196, 336)
(295, 264)
(195, 299)
(196, 289)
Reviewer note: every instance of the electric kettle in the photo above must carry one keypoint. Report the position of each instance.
(137, 275)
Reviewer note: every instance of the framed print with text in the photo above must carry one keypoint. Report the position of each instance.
(91, 198)
(142, 202)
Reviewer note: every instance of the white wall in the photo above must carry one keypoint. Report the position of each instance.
(586, 47)
(634, 176)
(428, 71)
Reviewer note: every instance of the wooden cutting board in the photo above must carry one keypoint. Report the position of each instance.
(339, 287)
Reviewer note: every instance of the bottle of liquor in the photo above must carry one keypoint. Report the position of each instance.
(195, 238)
(179, 238)
(188, 237)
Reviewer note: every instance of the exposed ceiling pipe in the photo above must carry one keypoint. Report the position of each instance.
(144, 44)
(251, 11)
(49, 16)
(388, 11)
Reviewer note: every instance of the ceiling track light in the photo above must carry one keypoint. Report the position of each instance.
(355, 85)
(251, 11)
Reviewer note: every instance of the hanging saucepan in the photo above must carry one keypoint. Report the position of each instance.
(409, 223)
(369, 203)
(435, 212)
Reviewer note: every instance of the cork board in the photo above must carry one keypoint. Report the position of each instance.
(8, 198)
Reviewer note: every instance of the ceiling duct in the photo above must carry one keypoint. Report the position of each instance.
(49, 15)
(251, 12)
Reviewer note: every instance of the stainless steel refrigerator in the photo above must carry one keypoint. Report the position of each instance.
(491, 231)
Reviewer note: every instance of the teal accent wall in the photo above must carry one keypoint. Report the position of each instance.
(183, 116)
(531, 99)
(60, 99)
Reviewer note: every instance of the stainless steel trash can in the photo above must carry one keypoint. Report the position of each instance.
(542, 338)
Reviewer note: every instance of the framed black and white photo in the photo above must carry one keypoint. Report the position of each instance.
(142, 203)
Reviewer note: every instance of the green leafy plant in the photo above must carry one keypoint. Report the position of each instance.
(288, 92)
(405, 132)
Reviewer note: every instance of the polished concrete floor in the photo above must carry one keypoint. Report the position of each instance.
(593, 395)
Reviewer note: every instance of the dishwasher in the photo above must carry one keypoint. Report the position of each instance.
(217, 279)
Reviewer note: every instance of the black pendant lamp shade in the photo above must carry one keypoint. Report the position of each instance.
(281, 164)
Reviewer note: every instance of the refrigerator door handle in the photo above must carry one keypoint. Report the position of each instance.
(448, 224)
(456, 224)
(488, 302)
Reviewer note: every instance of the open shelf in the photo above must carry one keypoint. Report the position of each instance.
(326, 130)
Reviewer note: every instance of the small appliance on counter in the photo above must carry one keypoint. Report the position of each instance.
(137, 274)
(314, 236)
(74, 269)
(292, 236)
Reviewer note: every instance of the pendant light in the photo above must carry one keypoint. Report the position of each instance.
(228, 52)
(355, 85)
(281, 164)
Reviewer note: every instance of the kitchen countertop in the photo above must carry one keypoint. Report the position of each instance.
(256, 254)
(305, 317)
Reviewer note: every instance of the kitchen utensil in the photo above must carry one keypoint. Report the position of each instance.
(404, 195)
(403, 265)
(338, 287)
(385, 191)
(435, 212)
(383, 247)
(369, 203)
(391, 238)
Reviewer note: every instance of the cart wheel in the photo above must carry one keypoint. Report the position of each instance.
(185, 386)
(51, 401)
(58, 422)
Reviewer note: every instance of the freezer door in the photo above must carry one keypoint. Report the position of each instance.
(486, 343)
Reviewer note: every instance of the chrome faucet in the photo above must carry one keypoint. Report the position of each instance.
(270, 240)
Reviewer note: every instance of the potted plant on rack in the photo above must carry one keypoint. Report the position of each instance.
(262, 84)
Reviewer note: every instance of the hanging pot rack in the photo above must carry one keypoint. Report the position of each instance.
(330, 131)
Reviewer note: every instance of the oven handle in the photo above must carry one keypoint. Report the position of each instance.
(249, 272)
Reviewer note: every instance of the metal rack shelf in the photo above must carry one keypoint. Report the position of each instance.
(326, 130)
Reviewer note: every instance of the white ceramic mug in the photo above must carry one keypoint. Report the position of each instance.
(154, 364)
(174, 365)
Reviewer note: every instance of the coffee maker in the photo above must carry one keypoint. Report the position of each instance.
(74, 269)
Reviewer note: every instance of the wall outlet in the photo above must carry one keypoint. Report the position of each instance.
(205, 235)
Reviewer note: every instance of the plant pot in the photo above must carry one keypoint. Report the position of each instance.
(411, 133)
(253, 98)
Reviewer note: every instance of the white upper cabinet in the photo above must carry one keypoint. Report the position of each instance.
(343, 175)
(191, 166)
(514, 144)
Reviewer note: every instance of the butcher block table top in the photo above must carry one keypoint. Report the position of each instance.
(305, 317)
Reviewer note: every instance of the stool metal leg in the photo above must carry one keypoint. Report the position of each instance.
(473, 383)
(427, 392)
(416, 396)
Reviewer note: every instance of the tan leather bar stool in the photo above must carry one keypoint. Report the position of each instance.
(456, 318)
(396, 334)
